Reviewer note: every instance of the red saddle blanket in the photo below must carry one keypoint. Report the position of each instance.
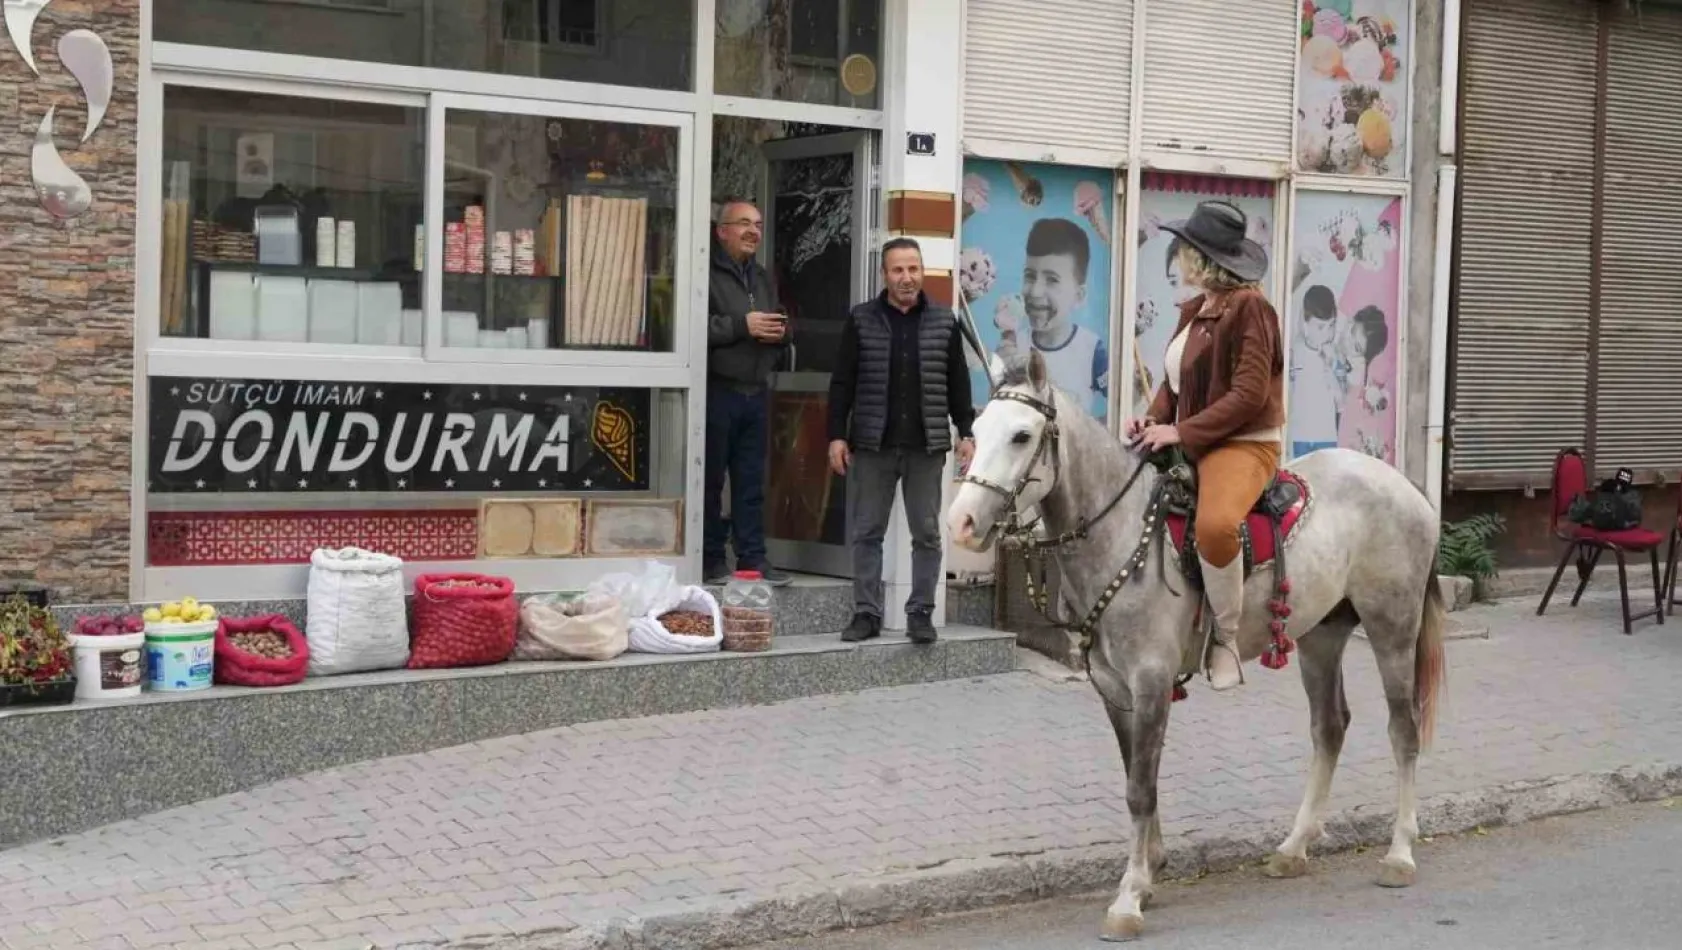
(1256, 534)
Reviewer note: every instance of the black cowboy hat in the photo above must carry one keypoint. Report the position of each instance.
(1217, 228)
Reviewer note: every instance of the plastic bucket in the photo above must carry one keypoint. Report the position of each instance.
(180, 657)
(109, 667)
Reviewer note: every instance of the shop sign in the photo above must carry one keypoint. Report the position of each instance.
(263, 435)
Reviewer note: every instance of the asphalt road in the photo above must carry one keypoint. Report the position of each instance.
(1606, 879)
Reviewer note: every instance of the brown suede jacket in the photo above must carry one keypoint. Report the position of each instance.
(1232, 376)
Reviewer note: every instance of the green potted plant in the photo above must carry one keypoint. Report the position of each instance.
(36, 663)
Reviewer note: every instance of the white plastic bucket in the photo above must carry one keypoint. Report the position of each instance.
(109, 667)
(180, 657)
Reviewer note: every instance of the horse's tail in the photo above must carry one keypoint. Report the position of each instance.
(1430, 669)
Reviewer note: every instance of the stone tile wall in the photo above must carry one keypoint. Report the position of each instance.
(67, 297)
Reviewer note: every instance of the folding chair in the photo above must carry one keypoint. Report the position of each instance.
(1570, 479)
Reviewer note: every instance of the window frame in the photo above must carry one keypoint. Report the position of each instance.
(683, 369)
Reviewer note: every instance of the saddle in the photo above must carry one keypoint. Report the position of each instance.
(1262, 537)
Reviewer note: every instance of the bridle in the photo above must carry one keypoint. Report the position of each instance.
(1012, 526)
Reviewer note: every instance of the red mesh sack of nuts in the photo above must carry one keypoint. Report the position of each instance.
(260, 651)
(462, 620)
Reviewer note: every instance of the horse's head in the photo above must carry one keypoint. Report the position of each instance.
(1015, 454)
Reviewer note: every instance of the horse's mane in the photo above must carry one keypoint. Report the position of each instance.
(1014, 372)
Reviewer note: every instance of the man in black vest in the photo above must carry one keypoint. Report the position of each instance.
(746, 338)
(899, 376)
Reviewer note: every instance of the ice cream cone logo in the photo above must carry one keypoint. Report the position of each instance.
(614, 432)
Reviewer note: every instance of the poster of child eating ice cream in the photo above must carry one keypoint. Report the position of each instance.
(1034, 268)
(1344, 321)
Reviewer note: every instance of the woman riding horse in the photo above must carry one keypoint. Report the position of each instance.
(1223, 402)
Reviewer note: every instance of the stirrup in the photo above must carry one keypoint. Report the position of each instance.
(1212, 641)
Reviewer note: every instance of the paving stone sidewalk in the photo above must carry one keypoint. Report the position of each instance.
(529, 841)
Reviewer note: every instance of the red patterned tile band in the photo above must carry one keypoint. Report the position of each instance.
(220, 538)
(1208, 185)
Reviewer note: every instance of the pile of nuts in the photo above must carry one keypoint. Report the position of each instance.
(747, 631)
(687, 623)
(460, 583)
(264, 643)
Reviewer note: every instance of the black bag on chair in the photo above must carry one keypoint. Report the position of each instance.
(1613, 505)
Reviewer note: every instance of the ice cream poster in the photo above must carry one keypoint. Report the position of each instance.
(1165, 199)
(1344, 317)
(1352, 87)
(1034, 267)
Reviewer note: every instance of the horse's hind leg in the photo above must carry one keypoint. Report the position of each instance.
(1321, 655)
(1394, 634)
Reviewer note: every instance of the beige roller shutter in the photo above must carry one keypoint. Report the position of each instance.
(1521, 317)
(1220, 77)
(1048, 73)
(1638, 418)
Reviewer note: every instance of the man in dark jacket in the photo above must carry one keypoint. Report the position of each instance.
(899, 376)
(746, 337)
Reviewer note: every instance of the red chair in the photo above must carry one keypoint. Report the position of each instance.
(1571, 479)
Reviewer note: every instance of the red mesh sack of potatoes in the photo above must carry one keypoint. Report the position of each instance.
(462, 620)
(260, 651)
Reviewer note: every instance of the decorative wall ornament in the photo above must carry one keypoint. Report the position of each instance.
(85, 56)
(20, 24)
(60, 190)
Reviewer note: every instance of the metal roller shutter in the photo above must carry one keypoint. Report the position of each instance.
(1048, 73)
(1521, 319)
(1638, 417)
(1220, 78)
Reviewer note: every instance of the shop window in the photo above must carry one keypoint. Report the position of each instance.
(824, 52)
(645, 43)
(558, 233)
(247, 471)
(291, 219)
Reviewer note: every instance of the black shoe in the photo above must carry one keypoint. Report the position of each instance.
(715, 575)
(863, 627)
(919, 628)
(773, 576)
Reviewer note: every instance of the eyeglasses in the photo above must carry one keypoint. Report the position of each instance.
(748, 223)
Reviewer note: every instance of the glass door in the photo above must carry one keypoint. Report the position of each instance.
(819, 206)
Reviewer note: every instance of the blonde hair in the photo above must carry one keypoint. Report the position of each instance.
(1199, 271)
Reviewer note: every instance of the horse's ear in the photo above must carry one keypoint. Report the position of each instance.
(1036, 369)
(996, 369)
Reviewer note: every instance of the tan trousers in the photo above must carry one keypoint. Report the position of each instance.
(1230, 480)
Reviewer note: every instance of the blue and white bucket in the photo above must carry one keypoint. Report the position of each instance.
(180, 657)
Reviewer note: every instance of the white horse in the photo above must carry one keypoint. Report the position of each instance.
(1364, 554)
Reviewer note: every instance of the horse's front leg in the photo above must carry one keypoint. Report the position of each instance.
(1146, 727)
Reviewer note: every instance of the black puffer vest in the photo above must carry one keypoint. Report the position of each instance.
(875, 367)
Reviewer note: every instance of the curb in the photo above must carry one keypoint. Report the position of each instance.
(973, 884)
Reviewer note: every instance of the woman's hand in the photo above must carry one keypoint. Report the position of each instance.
(1135, 428)
(1157, 438)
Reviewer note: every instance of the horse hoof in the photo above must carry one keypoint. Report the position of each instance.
(1396, 874)
(1119, 928)
(1284, 866)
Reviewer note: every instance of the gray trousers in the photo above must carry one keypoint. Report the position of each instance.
(870, 503)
